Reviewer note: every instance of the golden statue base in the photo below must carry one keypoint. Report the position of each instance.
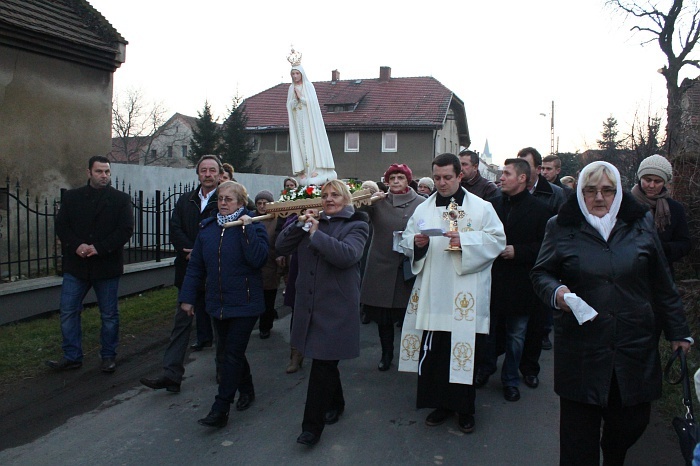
(454, 248)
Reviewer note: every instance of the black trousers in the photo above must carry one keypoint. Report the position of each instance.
(234, 333)
(268, 317)
(325, 392)
(580, 441)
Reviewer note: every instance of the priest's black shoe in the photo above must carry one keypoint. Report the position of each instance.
(64, 364)
(437, 417)
(308, 438)
(244, 401)
(200, 346)
(480, 379)
(531, 381)
(214, 419)
(511, 393)
(332, 415)
(465, 423)
(385, 362)
(161, 383)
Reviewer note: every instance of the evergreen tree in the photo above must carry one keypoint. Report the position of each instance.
(609, 143)
(206, 135)
(236, 145)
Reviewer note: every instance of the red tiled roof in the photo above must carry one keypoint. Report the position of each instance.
(408, 103)
(65, 25)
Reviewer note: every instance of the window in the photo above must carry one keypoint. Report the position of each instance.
(184, 152)
(170, 152)
(389, 141)
(153, 154)
(255, 143)
(352, 142)
(282, 142)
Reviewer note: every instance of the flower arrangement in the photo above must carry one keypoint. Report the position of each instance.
(313, 191)
(302, 192)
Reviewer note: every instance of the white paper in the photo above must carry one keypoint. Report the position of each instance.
(580, 308)
(432, 232)
(396, 239)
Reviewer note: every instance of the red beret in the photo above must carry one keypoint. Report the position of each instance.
(398, 168)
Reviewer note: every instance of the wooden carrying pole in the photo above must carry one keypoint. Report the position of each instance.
(287, 208)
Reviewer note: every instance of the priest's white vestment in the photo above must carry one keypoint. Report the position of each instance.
(452, 291)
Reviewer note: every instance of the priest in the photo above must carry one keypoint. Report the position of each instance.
(452, 240)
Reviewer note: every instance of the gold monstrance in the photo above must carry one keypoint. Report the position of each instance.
(453, 214)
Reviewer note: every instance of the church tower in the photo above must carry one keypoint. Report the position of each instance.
(486, 155)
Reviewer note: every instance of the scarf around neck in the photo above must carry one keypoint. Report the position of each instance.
(658, 205)
(222, 219)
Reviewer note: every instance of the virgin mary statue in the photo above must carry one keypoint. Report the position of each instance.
(312, 160)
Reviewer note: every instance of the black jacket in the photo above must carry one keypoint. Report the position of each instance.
(184, 227)
(524, 220)
(626, 280)
(675, 238)
(101, 217)
(550, 194)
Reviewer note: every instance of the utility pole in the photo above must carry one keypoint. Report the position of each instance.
(551, 138)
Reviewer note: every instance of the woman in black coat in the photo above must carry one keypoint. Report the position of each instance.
(603, 247)
(326, 326)
(655, 172)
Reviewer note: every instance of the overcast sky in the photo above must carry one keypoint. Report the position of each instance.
(507, 60)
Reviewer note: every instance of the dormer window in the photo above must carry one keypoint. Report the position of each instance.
(339, 108)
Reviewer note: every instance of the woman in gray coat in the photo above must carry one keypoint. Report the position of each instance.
(385, 288)
(604, 248)
(326, 327)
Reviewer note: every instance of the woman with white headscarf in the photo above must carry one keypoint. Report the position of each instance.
(312, 160)
(603, 248)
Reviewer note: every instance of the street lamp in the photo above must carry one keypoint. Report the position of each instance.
(551, 132)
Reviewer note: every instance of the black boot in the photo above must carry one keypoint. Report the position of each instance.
(386, 338)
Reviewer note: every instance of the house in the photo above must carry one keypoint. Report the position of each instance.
(57, 59)
(371, 123)
(168, 146)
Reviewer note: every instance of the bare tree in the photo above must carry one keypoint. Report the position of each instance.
(676, 30)
(135, 123)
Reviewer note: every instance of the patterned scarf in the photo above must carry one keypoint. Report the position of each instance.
(221, 219)
(658, 205)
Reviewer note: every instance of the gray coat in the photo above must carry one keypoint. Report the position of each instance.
(327, 306)
(383, 284)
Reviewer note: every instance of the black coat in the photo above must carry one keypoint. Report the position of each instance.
(675, 238)
(524, 220)
(626, 279)
(101, 217)
(184, 227)
(550, 194)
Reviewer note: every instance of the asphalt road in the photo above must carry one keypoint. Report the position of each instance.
(85, 417)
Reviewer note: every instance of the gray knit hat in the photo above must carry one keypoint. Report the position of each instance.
(656, 165)
(264, 194)
(427, 181)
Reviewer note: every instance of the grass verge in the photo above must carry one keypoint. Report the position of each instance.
(24, 346)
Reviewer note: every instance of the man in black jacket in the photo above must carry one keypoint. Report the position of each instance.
(513, 300)
(190, 210)
(94, 223)
(540, 325)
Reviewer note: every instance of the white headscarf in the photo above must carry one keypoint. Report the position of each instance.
(605, 224)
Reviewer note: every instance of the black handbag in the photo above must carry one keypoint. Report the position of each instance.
(685, 426)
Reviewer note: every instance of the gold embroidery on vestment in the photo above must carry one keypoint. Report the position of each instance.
(410, 348)
(462, 357)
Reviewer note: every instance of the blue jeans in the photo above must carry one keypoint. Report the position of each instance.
(516, 328)
(73, 292)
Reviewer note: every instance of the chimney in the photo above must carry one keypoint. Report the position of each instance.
(384, 73)
(335, 75)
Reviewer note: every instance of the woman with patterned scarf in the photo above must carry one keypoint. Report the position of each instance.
(230, 260)
(655, 173)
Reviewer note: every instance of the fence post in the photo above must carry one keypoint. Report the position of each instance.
(158, 214)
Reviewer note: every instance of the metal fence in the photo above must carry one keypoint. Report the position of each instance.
(29, 247)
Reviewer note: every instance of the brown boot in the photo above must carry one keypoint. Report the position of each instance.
(295, 361)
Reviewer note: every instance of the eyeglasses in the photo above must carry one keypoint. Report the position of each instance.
(592, 192)
(226, 200)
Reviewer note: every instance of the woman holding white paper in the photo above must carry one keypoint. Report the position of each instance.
(604, 248)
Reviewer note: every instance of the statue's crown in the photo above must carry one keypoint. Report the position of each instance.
(294, 58)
